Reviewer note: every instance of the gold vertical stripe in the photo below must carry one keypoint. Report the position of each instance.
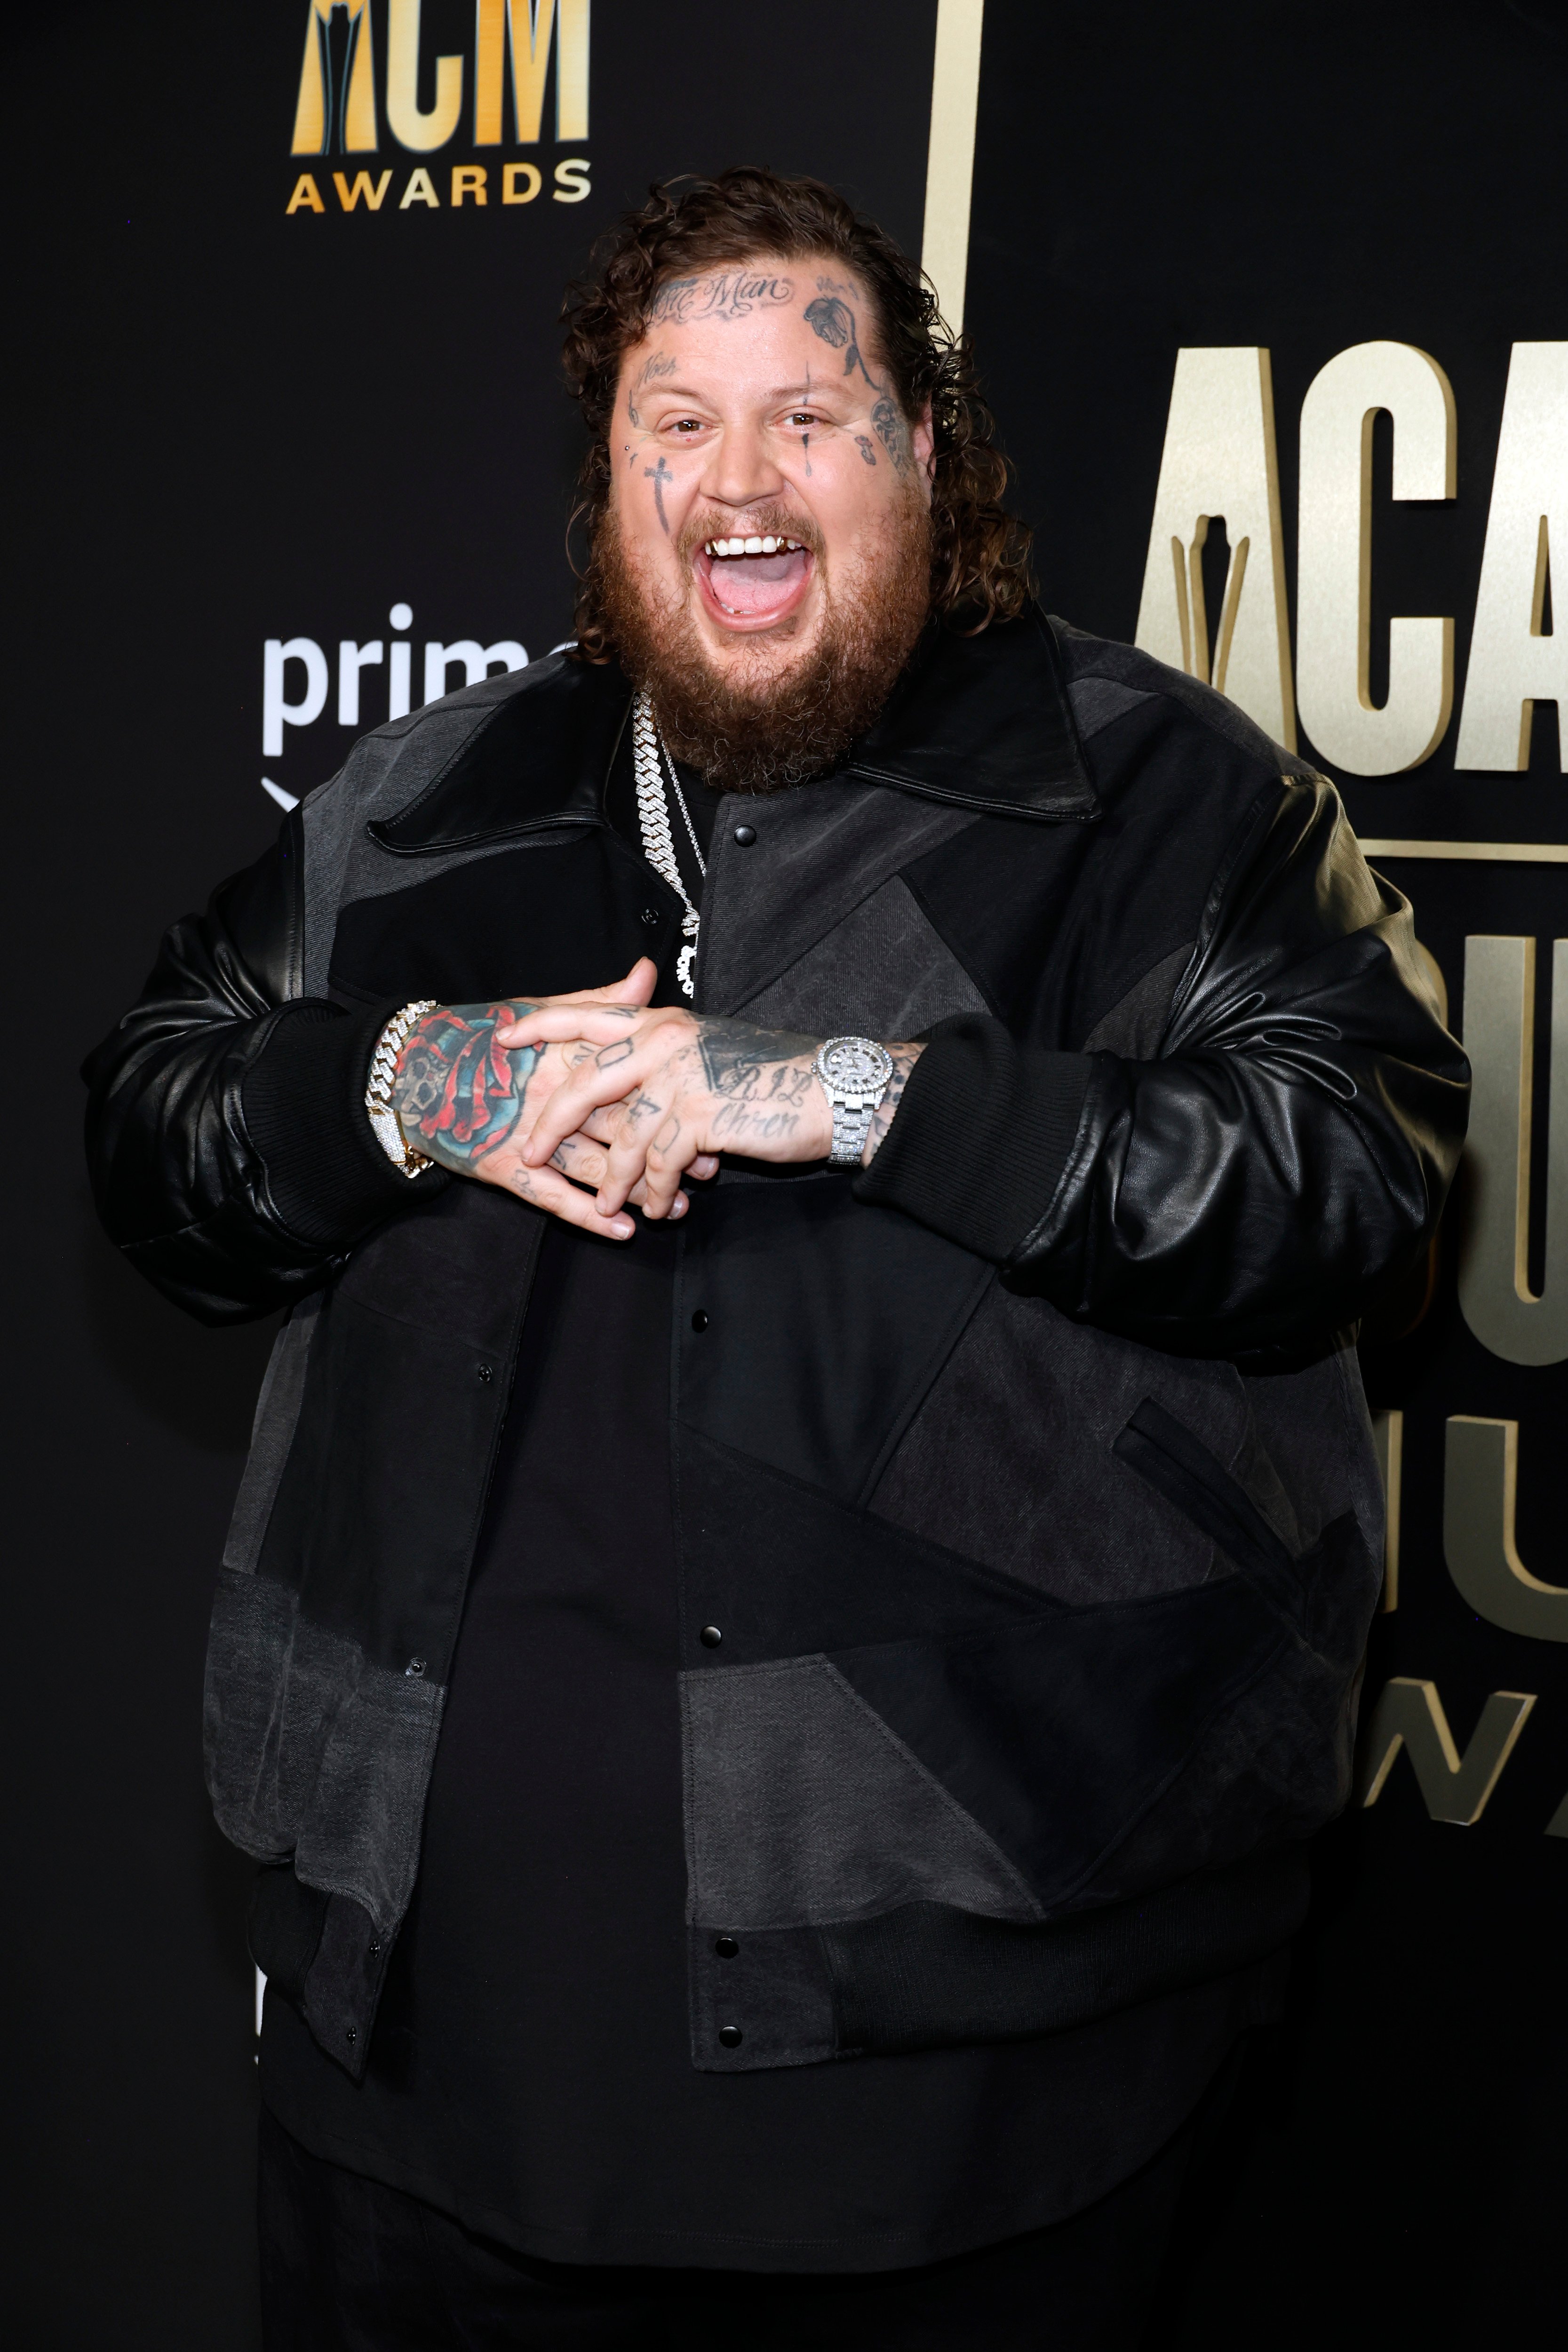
(535, 20)
(489, 41)
(572, 70)
(360, 133)
(949, 159)
(1487, 852)
(310, 112)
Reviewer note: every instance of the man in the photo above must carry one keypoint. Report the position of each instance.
(801, 1581)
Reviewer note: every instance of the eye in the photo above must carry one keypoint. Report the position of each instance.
(687, 424)
(804, 418)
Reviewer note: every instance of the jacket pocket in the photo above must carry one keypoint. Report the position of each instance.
(1180, 1466)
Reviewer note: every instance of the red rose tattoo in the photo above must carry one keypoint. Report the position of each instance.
(458, 1093)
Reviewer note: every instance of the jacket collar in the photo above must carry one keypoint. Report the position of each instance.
(982, 723)
(985, 722)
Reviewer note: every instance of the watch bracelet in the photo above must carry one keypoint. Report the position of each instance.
(850, 1128)
(378, 1088)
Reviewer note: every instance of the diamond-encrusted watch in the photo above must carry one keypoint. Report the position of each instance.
(378, 1088)
(855, 1073)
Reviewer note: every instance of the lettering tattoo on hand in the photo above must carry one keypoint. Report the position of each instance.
(741, 1127)
(728, 294)
(748, 1064)
(458, 1093)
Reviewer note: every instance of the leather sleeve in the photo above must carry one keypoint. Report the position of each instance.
(1255, 1185)
(231, 1155)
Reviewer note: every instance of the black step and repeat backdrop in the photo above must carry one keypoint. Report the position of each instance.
(1271, 304)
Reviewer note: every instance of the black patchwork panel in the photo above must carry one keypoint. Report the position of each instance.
(1056, 923)
(817, 854)
(781, 1567)
(544, 919)
(1010, 1457)
(379, 1504)
(808, 1325)
(1058, 1737)
(883, 973)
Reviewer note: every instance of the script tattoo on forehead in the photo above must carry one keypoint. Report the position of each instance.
(731, 294)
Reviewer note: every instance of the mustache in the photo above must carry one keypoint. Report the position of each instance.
(765, 518)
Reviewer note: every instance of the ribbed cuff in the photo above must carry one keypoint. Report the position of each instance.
(980, 1136)
(303, 1100)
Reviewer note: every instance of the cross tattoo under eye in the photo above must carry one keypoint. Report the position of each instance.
(658, 475)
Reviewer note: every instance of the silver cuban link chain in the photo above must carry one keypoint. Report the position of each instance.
(653, 816)
(379, 1085)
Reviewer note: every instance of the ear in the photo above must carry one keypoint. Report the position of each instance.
(922, 440)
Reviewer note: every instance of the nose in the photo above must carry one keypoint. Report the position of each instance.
(740, 471)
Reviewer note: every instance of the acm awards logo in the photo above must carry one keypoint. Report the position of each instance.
(358, 97)
(349, 102)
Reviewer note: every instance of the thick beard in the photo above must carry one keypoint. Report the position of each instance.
(773, 732)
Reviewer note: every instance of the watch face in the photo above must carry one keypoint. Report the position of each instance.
(856, 1065)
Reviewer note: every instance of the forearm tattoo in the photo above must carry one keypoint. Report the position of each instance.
(904, 1059)
(458, 1093)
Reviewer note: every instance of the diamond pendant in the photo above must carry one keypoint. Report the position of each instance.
(683, 963)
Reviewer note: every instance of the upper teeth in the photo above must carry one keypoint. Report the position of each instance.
(768, 546)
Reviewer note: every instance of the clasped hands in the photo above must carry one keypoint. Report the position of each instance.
(585, 1103)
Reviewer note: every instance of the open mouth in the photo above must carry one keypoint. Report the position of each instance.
(754, 583)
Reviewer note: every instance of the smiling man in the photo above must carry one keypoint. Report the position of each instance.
(801, 1578)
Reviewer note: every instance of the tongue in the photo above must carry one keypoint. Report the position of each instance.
(755, 584)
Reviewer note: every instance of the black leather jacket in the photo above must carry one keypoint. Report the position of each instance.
(1053, 1461)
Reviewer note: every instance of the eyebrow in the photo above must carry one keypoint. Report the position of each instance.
(669, 389)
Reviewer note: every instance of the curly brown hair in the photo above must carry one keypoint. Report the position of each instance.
(980, 553)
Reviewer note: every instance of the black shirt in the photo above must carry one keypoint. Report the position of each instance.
(531, 2071)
